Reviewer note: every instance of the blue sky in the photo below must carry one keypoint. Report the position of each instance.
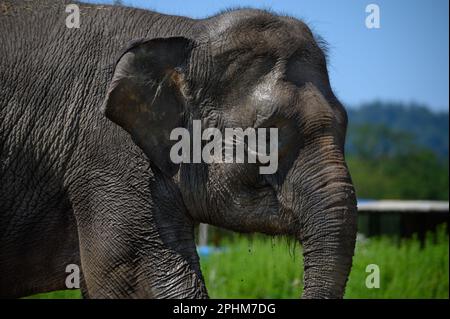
(407, 59)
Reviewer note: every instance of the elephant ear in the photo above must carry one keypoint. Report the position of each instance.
(146, 95)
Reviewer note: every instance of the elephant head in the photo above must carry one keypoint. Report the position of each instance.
(249, 69)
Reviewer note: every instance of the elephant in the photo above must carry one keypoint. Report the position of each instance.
(86, 174)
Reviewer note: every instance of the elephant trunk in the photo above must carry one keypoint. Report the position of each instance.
(327, 222)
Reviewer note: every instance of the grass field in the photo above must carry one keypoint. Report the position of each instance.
(259, 267)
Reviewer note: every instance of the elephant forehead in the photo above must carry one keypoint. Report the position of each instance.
(270, 96)
(258, 31)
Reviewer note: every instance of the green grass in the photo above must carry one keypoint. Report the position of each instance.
(60, 294)
(406, 270)
(258, 267)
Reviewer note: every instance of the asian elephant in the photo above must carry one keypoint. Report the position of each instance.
(85, 172)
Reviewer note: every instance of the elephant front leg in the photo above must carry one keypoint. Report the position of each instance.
(126, 253)
(112, 273)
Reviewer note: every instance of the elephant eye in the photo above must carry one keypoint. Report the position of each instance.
(285, 135)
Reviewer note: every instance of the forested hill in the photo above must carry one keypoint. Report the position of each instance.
(397, 151)
(386, 127)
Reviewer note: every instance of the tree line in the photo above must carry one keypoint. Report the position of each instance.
(398, 151)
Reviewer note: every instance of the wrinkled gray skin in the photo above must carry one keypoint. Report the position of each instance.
(84, 165)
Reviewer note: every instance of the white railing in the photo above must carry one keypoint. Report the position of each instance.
(404, 206)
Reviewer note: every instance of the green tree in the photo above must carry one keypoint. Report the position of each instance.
(387, 164)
